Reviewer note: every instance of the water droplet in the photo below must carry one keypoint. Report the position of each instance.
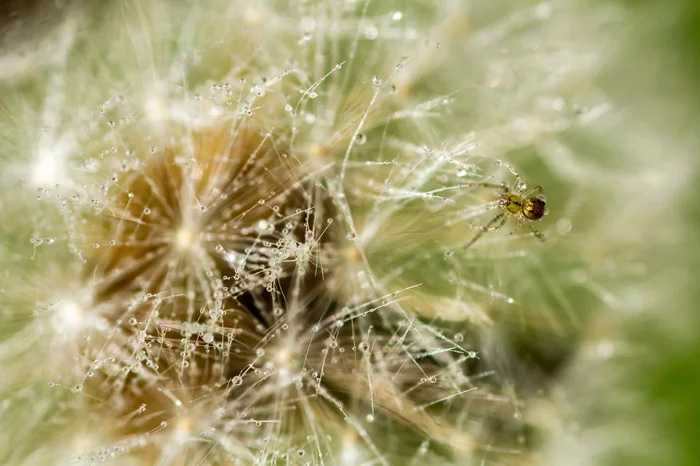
(371, 32)
(208, 337)
(262, 226)
(564, 226)
(90, 165)
(397, 16)
(351, 236)
(376, 81)
(360, 139)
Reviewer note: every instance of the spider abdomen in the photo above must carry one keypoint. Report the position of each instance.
(533, 208)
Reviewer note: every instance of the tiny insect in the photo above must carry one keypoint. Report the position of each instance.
(526, 205)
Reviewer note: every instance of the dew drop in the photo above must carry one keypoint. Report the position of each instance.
(371, 32)
(90, 164)
(564, 226)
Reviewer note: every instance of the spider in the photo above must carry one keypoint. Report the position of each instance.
(527, 205)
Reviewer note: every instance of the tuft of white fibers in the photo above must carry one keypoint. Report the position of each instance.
(235, 232)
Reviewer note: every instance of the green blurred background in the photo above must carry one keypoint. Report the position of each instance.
(670, 380)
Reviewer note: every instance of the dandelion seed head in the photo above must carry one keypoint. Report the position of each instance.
(264, 200)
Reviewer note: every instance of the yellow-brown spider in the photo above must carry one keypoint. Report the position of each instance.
(527, 205)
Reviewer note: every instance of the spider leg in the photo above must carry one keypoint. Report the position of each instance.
(529, 192)
(518, 179)
(539, 236)
(518, 226)
(502, 186)
(493, 225)
(490, 227)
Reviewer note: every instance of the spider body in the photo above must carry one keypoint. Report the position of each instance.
(533, 208)
(511, 202)
(525, 205)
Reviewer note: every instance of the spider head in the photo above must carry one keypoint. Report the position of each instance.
(511, 202)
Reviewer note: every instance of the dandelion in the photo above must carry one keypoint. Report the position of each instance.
(237, 231)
